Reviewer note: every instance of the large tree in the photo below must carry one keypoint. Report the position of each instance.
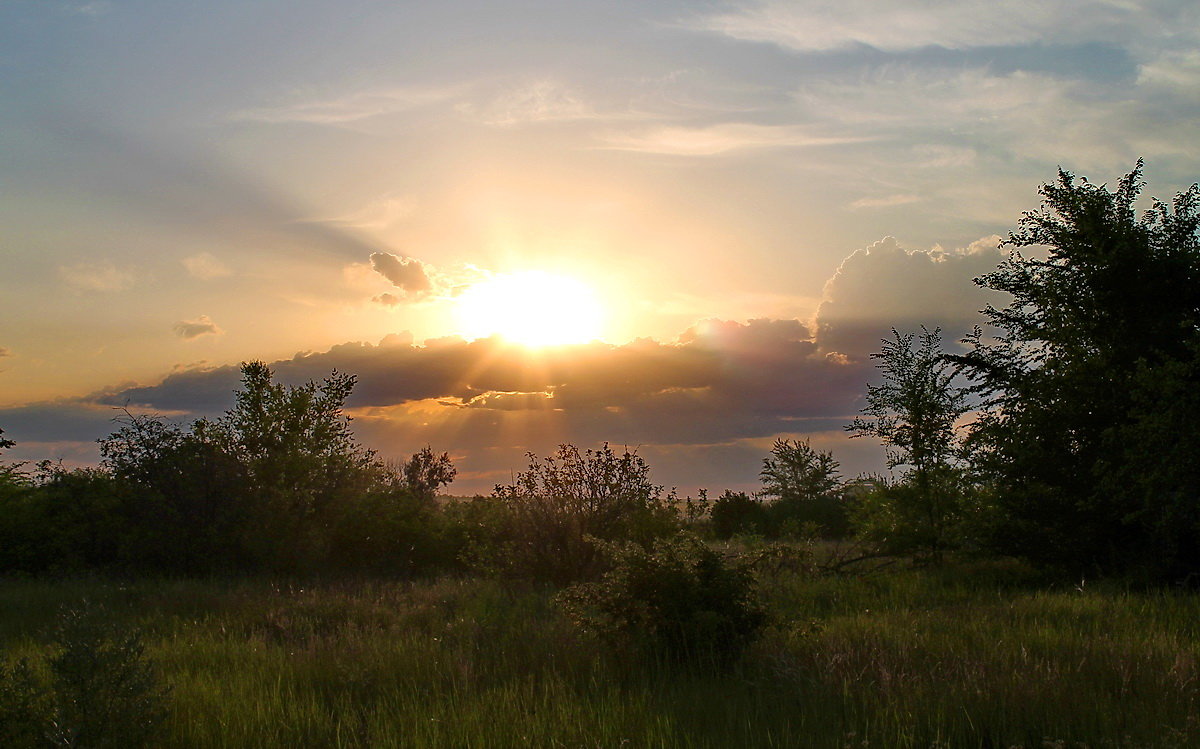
(1088, 374)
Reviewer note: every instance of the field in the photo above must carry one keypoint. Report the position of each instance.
(970, 655)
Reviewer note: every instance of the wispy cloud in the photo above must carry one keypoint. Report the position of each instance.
(718, 139)
(886, 201)
(205, 266)
(101, 277)
(352, 107)
(953, 24)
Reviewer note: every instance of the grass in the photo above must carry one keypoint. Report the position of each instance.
(968, 656)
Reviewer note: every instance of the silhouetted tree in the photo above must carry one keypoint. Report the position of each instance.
(1090, 380)
(806, 488)
(426, 472)
(300, 457)
(913, 412)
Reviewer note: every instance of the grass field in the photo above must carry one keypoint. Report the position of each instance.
(971, 655)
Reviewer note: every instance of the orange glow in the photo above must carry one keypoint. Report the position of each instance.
(533, 308)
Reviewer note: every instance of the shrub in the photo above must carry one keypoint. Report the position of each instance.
(560, 505)
(105, 692)
(98, 690)
(679, 598)
(736, 512)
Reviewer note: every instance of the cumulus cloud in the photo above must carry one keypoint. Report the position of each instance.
(406, 273)
(99, 277)
(886, 286)
(205, 266)
(189, 329)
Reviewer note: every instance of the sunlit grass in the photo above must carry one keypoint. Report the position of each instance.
(965, 657)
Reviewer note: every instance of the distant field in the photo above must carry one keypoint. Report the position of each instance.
(963, 657)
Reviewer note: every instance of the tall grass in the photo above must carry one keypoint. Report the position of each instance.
(958, 658)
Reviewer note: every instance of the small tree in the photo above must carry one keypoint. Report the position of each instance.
(913, 413)
(425, 472)
(300, 457)
(806, 488)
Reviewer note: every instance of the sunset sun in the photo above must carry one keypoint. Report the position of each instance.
(533, 308)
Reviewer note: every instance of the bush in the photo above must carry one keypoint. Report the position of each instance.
(99, 690)
(735, 513)
(560, 505)
(678, 598)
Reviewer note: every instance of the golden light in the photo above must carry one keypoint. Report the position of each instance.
(533, 308)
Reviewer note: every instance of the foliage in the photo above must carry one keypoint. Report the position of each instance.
(106, 693)
(424, 473)
(559, 506)
(25, 706)
(1084, 377)
(806, 488)
(678, 598)
(98, 689)
(913, 413)
(736, 513)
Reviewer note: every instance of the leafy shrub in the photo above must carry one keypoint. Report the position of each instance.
(679, 598)
(99, 690)
(24, 707)
(736, 512)
(106, 693)
(560, 505)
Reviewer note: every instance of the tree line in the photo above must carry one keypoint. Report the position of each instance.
(1064, 431)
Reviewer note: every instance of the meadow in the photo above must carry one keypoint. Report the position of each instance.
(971, 654)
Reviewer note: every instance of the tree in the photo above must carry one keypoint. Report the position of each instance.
(1082, 371)
(300, 457)
(914, 413)
(426, 472)
(806, 488)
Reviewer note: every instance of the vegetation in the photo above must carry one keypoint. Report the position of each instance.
(1090, 382)
(292, 589)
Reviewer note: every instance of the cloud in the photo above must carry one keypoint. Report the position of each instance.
(189, 329)
(534, 102)
(352, 107)
(380, 213)
(885, 202)
(386, 299)
(824, 25)
(886, 286)
(205, 266)
(405, 273)
(99, 277)
(718, 139)
(5, 352)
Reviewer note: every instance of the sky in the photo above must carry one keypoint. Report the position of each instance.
(680, 227)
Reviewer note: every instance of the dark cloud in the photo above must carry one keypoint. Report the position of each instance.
(703, 409)
(406, 273)
(190, 329)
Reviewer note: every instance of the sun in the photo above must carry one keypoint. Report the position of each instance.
(532, 308)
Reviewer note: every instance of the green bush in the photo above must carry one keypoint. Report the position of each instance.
(679, 599)
(97, 690)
